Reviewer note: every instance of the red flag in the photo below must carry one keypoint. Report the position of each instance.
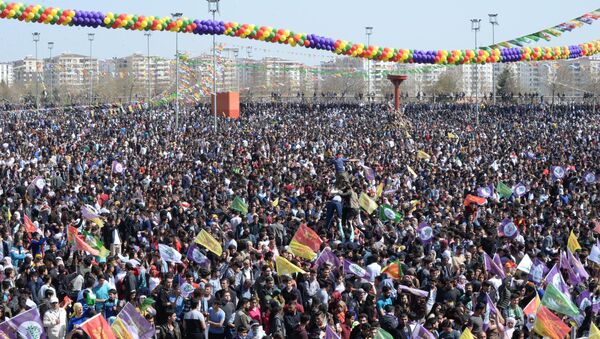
(97, 328)
(29, 225)
(533, 305)
(306, 236)
(474, 199)
(549, 325)
(80, 244)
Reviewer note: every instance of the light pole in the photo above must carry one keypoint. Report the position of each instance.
(176, 16)
(369, 31)
(148, 34)
(213, 7)
(475, 27)
(236, 53)
(50, 66)
(91, 39)
(494, 22)
(36, 39)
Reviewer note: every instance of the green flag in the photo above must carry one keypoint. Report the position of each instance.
(239, 205)
(96, 244)
(382, 334)
(386, 212)
(146, 303)
(557, 301)
(503, 190)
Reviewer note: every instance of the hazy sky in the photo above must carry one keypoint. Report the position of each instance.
(400, 24)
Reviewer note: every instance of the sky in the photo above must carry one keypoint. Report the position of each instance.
(429, 25)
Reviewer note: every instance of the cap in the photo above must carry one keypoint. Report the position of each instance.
(53, 300)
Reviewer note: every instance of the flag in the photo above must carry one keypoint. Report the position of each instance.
(382, 334)
(39, 183)
(411, 171)
(508, 229)
(533, 305)
(590, 177)
(305, 243)
(379, 190)
(558, 172)
(121, 330)
(28, 324)
(549, 325)
(520, 190)
(423, 155)
(196, 256)
(367, 203)
(491, 267)
(594, 332)
(486, 191)
(503, 190)
(97, 328)
(414, 291)
(525, 264)
(327, 256)
(577, 266)
(136, 324)
(369, 173)
(557, 301)
(421, 332)
(350, 267)
(117, 167)
(474, 199)
(6, 331)
(96, 244)
(205, 239)
(393, 270)
(452, 135)
(146, 303)
(91, 214)
(275, 202)
(79, 242)
(425, 232)
(330, 333)
(572, 243)
(594, 254)
(466, 334)
(186, 289)
(30, 227)
(386, 212)
(284, 267)
(239, 205)
(169, 254)
(555, 278)
(538, 270)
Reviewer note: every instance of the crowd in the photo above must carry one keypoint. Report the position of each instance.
(410, 220)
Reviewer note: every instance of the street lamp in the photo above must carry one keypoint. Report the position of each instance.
(213, 7)
(475, 27)
(50, 66)
(148, 34)
(236, 54)
(176, 16)
(369, 31)
(36, 39)
(91, 39)
(494, 22)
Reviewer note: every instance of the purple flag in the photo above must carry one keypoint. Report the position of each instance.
(530, 155)
(590, 177)
(538, 270)
(186, 289)
(28, 324)
(584, 297)
(350, 267)
(520, 190)
(414, 291)
(558, 172)
(135, 322)
(369, 173)
(425, 232)
(330, 333)
(421, 332)
(6, 331)
(508, 229)
(555, 278)
(89, 212)
(327, 256)
(492, 267)
(577, 266)
(486, 191)
(197, 256)
(117, 167)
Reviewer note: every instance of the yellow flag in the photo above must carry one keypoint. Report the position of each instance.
(594, 332)
(301, 250)
(379, 191)
(467, 334)
(452, 135)
(275, 202)
(205, 239)
(367, 203)
(413, 205)
(423, 155)
(120, 330)
(572, 243)
(411, 171)
(284, 267)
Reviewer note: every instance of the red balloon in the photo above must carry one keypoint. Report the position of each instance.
(117, 23)
(306, 43)
(43, 17)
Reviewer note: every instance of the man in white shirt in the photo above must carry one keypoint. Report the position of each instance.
(55, 320)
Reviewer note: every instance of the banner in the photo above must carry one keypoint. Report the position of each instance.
(133, 321)
(284, 267)
(239, 205)
(205, 239)
(196, 256)
(169, 254)
(352, 268)
(508, 229)
(327, 256)
(305, 243)
(28, 324)
(387, 213)
(97, 327)
(367, 203)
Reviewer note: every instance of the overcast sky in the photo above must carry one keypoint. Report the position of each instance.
(401, 24)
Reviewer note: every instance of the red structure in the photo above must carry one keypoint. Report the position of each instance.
(397, 80)
(228, 105)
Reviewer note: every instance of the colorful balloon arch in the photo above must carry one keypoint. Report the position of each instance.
(93, 19)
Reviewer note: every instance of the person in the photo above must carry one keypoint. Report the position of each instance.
(216, 320)
(77, 318)
(193, 322)
(242, 319)
(55, 320)
(171, 328)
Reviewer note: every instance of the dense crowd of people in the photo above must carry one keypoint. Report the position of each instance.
(300, 165)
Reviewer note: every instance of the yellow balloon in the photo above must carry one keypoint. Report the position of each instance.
(11, 13)
(144, 24)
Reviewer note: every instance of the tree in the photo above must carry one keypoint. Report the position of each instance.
(447, 83)
(506, 85)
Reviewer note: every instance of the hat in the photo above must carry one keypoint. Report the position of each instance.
(53, 300)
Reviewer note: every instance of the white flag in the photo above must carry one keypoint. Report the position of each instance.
(525, 264)
(595, 255)
(169, 254)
